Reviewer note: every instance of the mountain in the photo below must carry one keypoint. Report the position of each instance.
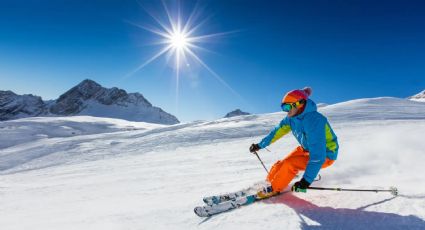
(13, 106)
(90, 98)
(418, 97)
(235, 113)
(87, 98)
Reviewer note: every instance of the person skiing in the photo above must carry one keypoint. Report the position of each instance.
(318, 144)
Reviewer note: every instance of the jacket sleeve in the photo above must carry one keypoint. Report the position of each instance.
(279, 131)
(316, 141)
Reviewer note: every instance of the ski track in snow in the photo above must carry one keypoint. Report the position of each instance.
(151, 177)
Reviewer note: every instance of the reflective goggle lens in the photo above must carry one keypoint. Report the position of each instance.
(286, 107)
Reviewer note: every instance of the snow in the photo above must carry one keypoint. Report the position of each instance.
(118, 175)
(25, 130)
(420, 97)
(376, 109)
(131, 112)
(418, 100)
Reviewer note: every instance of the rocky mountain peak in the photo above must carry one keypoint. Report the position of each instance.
(86, 98)
(17, 106)
(235, 113)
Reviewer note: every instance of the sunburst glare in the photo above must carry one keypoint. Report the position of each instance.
(180, 38)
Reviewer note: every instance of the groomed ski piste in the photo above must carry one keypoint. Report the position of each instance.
(99, 173)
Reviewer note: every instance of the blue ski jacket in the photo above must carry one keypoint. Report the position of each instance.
(313, 132)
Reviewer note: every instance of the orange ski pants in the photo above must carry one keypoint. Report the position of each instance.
(283, 171)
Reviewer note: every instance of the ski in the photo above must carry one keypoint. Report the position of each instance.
(217, 199)
(213, 200)
(208, 210)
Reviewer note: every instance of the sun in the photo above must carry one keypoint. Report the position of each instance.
(179, 40)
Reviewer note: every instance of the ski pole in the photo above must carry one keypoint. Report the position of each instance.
(392, 190)
(261, 162)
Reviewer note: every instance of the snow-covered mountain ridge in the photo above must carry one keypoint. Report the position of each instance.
(87, 98)
(13, 106)
(381, 108)
(418, 97)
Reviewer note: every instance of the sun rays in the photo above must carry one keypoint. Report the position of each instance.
(180, 39)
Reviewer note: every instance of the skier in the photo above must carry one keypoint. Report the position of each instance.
(318, 144)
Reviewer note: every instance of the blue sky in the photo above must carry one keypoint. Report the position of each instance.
(342, 49)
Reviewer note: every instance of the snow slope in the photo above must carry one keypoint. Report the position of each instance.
(375, 109)
(152, 177)
(15, 132)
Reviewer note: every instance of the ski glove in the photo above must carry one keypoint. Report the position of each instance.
(300, 186)
(254, 148)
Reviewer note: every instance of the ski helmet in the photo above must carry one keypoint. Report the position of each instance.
(297, 95)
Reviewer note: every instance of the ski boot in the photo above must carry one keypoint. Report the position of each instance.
(266, 192)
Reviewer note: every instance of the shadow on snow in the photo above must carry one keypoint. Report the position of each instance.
(344, 218)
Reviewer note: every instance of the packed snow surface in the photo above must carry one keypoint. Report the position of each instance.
(91, 173)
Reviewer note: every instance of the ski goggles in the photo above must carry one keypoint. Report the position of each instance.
(286, 107)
